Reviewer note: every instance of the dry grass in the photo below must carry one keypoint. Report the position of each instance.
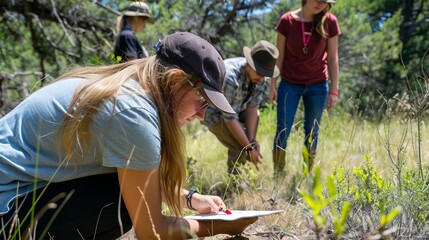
(343, 142)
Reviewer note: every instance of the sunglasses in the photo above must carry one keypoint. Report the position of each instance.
(204, 103)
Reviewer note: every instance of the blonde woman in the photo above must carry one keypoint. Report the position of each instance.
(133, 20)
(102, 133)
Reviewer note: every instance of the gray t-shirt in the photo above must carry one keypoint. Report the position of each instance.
(125, 134)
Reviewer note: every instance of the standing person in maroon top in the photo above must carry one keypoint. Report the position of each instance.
(307, 40)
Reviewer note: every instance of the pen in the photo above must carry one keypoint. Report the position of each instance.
(227, 211)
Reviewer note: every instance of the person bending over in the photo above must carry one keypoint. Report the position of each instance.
(73, 150)
(244, 86)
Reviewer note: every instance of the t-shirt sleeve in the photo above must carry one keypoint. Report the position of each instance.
(332, 26)
(131, 139)
(283, 25)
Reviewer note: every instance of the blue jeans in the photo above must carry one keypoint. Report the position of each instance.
(314, 97)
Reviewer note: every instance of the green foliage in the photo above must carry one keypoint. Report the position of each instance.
(374, 45)
(115, 59)
(370, 189)
(338, 219)
(343, 210)
(308, 161)
(191, 171)
(317, 202)
(386, 219)
(245, 180)
(416, 198)
(306, 156)
(375, 57)
(369, 192)
(375, 69)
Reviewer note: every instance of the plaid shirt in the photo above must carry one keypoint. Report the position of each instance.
(237, 90)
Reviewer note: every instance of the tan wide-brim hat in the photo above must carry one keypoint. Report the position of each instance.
(262, 58)
(140, 9)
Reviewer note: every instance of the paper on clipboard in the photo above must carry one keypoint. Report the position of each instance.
(235, 214)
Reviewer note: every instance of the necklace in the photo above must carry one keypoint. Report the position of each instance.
(305, 40)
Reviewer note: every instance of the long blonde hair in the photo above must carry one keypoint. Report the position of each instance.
(103, 83)
(319, 20)
(120, 24)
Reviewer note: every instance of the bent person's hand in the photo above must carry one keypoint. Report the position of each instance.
(254, 157)
(257, 146)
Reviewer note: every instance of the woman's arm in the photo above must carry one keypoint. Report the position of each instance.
(281, 46)
(141, 193)
(334, 72)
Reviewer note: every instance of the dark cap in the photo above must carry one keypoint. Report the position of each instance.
(140, 9)
(198, 57)
(262, 58)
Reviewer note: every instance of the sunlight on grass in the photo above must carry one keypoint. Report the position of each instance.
(345, 142)
(343, 139)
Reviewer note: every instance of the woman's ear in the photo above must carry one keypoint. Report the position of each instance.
(178, 73)
(177, 77)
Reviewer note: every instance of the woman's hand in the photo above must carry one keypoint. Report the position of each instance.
(213, 204)
(272, 95)
(332, 101)
(207, 203)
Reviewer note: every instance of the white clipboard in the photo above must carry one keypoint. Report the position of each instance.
(235, 214)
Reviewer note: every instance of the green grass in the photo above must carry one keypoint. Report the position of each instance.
(344, 140)
(357, 161)
(345, 143)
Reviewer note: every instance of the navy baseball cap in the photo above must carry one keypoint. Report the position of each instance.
(196, 56)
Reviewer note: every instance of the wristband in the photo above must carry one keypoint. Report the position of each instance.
(189, 198)
(334, 93)
(251, 146)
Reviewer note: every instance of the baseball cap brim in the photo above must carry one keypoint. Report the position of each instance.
(217, 99)
(259, 69)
